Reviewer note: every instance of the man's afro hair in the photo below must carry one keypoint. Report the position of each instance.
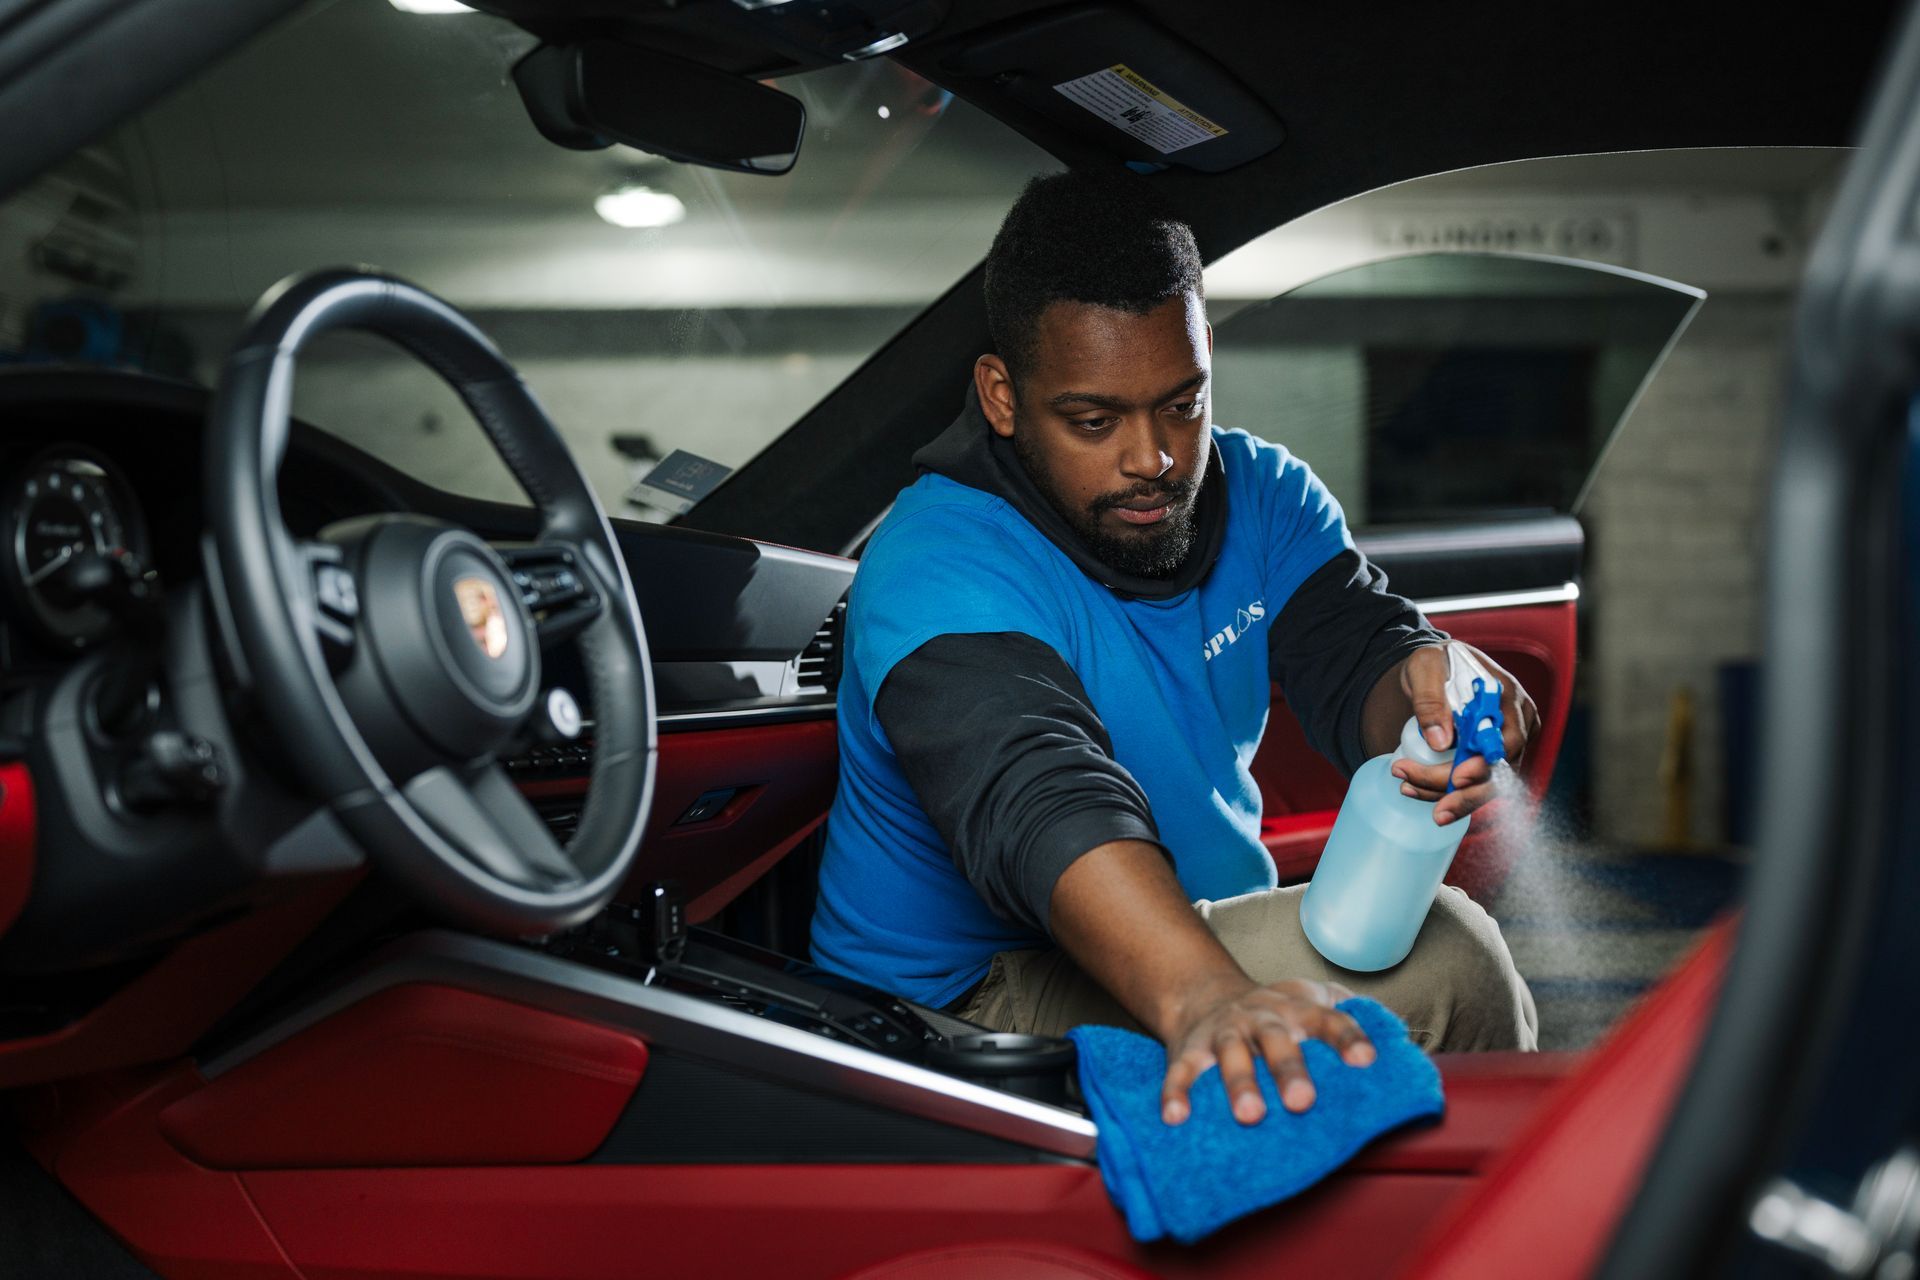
(1093, 237)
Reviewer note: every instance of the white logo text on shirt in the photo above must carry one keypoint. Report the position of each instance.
(1243, 620)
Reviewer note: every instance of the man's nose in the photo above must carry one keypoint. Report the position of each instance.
(1144, 454)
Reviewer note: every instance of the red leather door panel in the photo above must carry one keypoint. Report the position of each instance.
(419, 1074)
(784, 775)
(1302, 791)
(804, 1222)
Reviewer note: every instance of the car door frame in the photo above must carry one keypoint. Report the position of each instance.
(1801, 1053)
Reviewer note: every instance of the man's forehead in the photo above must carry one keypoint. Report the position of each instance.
(1072, 321)
(1112, 351)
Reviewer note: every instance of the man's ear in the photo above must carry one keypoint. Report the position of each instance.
(995, 387)
(1209, 339)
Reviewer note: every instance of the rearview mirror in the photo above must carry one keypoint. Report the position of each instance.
(595, 93)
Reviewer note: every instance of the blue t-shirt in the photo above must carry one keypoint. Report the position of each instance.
(1181, 685)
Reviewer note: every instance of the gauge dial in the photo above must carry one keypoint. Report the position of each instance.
(67, 504)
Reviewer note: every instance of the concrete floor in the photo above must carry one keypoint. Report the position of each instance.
(1592, 927)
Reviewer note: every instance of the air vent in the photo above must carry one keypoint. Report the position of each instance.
(818, 666)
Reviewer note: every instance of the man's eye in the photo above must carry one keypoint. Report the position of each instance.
(1093, 424)
(1188, 409)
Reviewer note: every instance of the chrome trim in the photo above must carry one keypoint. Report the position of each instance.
(1539, 533)
(1503, 600)
(672, 721)
(671, 1020)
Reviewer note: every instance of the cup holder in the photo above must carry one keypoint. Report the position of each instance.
(1037, 1067)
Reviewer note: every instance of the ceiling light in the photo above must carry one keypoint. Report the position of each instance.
(884, 113)
(430, 6)
(640, 207)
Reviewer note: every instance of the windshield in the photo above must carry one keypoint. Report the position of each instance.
(358, 133)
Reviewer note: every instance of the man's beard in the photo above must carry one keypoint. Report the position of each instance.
(1157, 551)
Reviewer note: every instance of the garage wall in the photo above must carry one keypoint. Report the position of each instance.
(1307, 398)
(1675, 518)
(1676, 530)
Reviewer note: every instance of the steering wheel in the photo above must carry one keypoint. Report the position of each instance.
(398, 657)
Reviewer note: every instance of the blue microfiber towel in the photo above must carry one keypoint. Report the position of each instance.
(1188, 1180)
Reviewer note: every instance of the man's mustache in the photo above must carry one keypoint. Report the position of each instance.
(1174, 490)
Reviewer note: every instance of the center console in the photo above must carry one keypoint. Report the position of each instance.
(650, 942)
(752, 1057)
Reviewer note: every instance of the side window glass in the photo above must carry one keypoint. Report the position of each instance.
(1443, 386)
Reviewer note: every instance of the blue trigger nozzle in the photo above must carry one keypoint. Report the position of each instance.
(1477, 726)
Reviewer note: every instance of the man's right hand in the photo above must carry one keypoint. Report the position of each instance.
(1236, 1027)
(1120, 913)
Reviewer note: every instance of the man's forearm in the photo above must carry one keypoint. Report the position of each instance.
(1119, 911)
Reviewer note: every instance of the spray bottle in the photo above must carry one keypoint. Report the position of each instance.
(1386, 857)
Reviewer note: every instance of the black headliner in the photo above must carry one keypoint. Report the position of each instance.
(1370, 94)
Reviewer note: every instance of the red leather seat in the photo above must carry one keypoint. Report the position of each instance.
(1549, 1207)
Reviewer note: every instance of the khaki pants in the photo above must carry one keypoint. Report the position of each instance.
(1457, 990)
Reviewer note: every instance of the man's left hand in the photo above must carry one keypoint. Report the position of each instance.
(1423, 678)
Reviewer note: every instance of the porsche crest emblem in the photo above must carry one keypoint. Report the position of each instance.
(480, 609)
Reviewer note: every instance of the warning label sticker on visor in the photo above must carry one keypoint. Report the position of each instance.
(1129, 101)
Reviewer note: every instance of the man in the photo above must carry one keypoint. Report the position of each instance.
(1059, 653)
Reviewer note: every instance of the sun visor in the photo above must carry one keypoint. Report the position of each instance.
(1118, 80)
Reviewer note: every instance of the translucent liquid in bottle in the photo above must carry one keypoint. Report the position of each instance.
(1382, 867)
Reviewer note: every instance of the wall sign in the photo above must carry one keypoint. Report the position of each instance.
(1601, 237)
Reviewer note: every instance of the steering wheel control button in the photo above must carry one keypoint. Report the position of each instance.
(553, 589)
(335, 598)
(334, 589)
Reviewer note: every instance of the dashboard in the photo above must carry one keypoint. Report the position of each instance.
(100, 493)
(102, 466)
(101, 473)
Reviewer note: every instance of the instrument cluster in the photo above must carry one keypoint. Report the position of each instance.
(74, 537)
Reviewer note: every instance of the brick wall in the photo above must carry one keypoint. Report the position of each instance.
(1675, 527)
